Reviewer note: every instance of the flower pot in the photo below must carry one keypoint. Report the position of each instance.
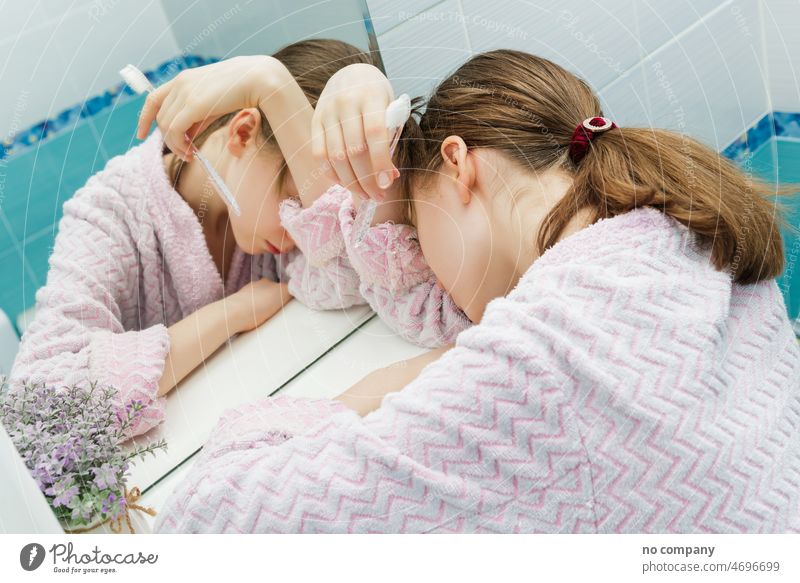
(133, 522)
(138, 521)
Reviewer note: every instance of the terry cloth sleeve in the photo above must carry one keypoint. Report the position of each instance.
(77, 336)
(320, 276)
(398, 283)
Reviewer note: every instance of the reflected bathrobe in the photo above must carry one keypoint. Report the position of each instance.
(130, 260)
(624, 385)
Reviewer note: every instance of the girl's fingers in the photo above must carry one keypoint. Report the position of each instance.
(337, 156)
(378, 142)
(150, 109)
(197, 128)
(357, 153)
(319, 148)
(176, 135)
(165, 120)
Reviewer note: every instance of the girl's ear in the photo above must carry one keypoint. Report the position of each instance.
(243, 130)
(459, 164)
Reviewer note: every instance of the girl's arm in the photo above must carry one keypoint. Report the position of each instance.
(321, 277)
(349, 133)
(198, 335)
(394, 277)
(398, 283)
(193, 99)
(366, 395)
(484, 427)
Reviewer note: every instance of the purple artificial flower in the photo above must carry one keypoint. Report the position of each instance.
(63, 492)
(70, 440)
(105, 476)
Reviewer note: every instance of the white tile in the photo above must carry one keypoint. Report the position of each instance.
(625, 99)
(96, 45)
(660, 21)
(422, 50)
(386, 14)
(36, 84)
(18, 18)
(782, 39)
(710, 82)
(324, 19)
(596, 40)
(77, 54)
(191, 25)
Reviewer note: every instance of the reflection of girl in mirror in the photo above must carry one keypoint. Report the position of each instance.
(150, 274)
(633, 358)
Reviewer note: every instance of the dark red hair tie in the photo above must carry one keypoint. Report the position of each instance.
(585, 133)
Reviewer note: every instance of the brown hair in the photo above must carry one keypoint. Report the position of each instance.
(311, 62)
(528, 107)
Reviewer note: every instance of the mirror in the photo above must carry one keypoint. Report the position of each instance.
(69, 114)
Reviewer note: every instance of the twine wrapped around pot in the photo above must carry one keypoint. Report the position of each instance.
(131, 499)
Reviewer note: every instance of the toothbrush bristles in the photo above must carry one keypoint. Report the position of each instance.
(135, 79)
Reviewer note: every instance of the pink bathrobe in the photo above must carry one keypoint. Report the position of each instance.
(130, 260)
(398, 283)
(624, 385)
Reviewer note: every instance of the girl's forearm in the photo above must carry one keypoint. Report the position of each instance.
(366, 395)
(194, 339)
(289, 114)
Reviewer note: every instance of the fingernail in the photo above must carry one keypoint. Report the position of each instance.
(384, 180)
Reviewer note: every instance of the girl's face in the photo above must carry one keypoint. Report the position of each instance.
(256, 175)
(463, 230)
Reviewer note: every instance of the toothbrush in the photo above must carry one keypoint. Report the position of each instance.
(137, 81)
(397, 113)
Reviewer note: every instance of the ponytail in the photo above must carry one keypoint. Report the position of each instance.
(629, 168)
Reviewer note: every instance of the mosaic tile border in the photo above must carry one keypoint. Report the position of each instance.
(32, 136)
(777, 124)
(774, 124)
(753, 138)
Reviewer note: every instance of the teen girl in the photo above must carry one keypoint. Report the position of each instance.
(640, 374)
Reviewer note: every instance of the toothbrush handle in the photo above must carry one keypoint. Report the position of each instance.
(218, 182)
(367, 210)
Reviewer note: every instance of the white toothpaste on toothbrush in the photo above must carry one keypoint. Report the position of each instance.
(137, 81)
(397, 113)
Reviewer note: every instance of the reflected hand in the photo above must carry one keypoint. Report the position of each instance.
(184, 106)
(256, 303)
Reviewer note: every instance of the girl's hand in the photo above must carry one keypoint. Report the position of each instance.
(348, 130)
(255, 303)
(191, 101)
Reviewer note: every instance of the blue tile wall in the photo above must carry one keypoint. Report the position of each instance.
(779, 161)
(43, 166)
